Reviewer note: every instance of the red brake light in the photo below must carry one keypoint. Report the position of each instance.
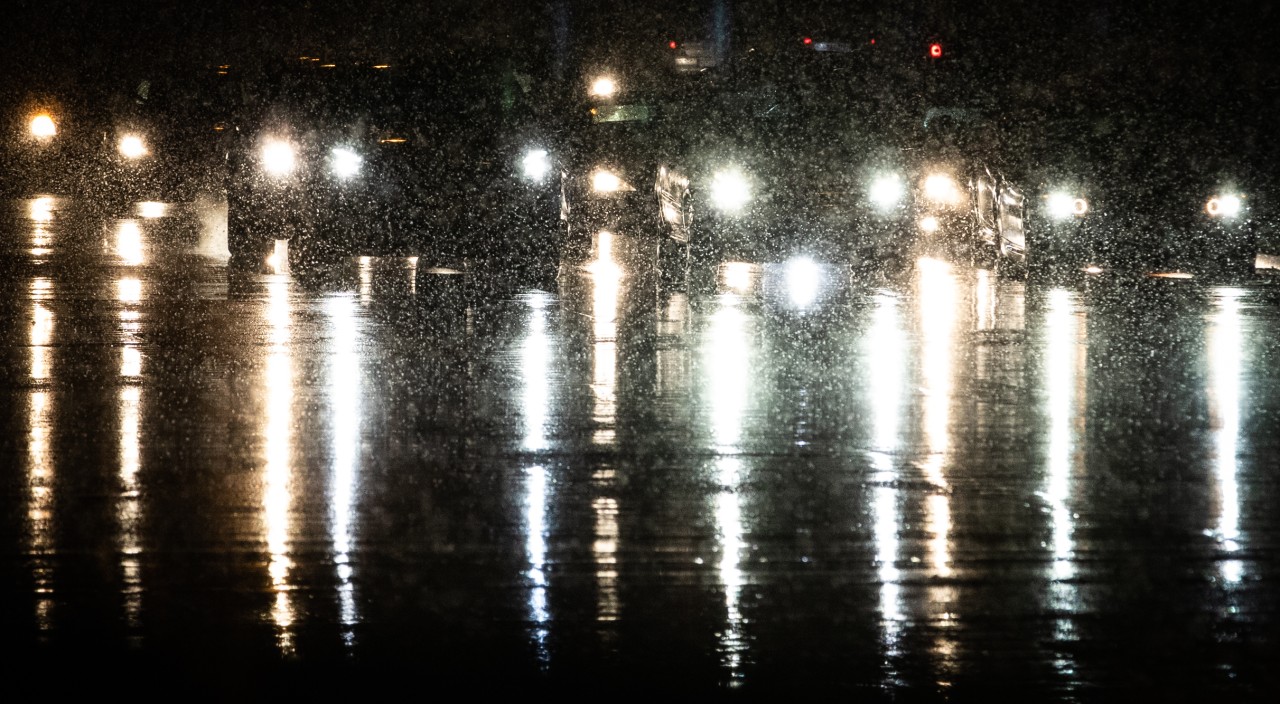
(672, 44)
(808, 40)
(935, 50)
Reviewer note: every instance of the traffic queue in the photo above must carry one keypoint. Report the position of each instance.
(793, 145)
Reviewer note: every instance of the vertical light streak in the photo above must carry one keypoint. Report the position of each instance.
(606, 278)
(727, 359)
(535, 517)
(886, 351)
(605, 552)
(1225, 359)
(345, 377)
(366, 280)
(535, 363)
(939, 298)
(128, 245)
(277, 500)
(129, 508)
(40, 461)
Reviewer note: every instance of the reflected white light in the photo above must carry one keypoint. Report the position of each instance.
(886, 192)
(151, 209)
(536, 164)
(345, 396)
(730, 191)
(345, 163)
(606, 283)
(738, 276)
(277, 499)
(41, 336)
(131, 362)
(605, 552)
(366, 280)
(535, 523)
(929, 224)
(39, 527)
(728, 363)
(1061, 343)
(1226, 362)
(535, 367)
(129, 507)
(938, 299)
(604, 87)
(278, 158)
(804, 281)
(42, 126)
(131, 146)
(129, 243)
(886, 350)
(887, 357)
(129, 290)
(729, 531)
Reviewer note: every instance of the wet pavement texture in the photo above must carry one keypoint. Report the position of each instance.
(927, 484)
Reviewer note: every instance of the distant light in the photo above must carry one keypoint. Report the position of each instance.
(152, 210)
(392, 140)
(42, 126)
(1173, 275)
(935, 50)
(808, 40)
(345, 163)
(941, 188)
(132, 147)
(672, 44)
(886, 191)
(1227, 206)
(929, 224)
(1064, 205)
(606, 182)
(873, 41)
(1093, 269)
(536, 164)
(278, 158)
(604, 87)
(381, 66)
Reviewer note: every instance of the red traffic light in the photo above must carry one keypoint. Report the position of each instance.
(935, 50)
(808, 40)
(672, 44)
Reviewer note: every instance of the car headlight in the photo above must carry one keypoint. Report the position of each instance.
(43, 127)
(942, 189)
(605, 181)
(536, 164)
(604, 87)
(344, 162)
(131, 146)
(279, 158)
(1224, 206)
(886, 192)
(1062, 205)
(730, 190)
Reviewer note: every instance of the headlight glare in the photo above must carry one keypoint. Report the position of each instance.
(278, 158)
(43, 127)
(942, 189)
(131, 146)
(344, 162)
(730, 190)
(1062, 205)
(886, 192)
(605, 181)
(1223, 206)
(536, 164)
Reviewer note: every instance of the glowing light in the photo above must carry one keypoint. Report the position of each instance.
(929, 224)
(808, 40)
(1226, 364)
(604, 87)
(41, 209)
(535, 367)
(603, 181)
(730, 190)
(1227, 206)
(129, 243)
(152, 210)
(1093, 270)
(804, 281)
(738, 276)
(278, 158)
(536, 164)
(886, 192)
(935, 50)
(1181, 275)
(43, 127)
(942, 189)
(344, 162)
(1064, 205)
(277, 475)
(131, 146)
(278, 260)
(344, 385)
(672, 44)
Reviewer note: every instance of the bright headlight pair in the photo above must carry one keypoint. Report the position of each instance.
(280, 159)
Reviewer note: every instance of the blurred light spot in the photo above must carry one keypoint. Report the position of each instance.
(42, 126)
(804, 281)
(129, 243)
(151, 209)
(738, 276)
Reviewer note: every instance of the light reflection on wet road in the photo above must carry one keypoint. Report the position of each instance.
(941, 482)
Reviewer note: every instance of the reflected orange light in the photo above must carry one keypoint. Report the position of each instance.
(41, 208)
(129, 243)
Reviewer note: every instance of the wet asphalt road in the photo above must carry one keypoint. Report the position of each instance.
(925, 484)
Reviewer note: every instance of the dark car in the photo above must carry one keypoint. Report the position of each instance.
(966, 202)
(345, 158)
(115, 140)
(789, 148)
(1140, 192)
